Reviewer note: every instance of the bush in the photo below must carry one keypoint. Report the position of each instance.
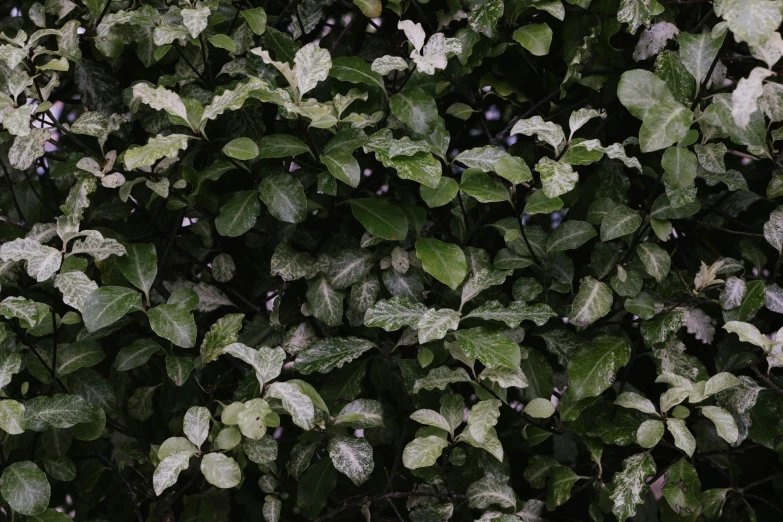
(400, 260)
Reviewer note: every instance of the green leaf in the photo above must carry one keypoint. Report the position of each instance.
(556, 177)
(281, 145)
(380, 218)
(195, 425)
(326, 303)
(445, 192)
(284, 195)
(593, 301)
(724, 423)
(393, 314)
(140, 266)
(327, 354)
(490, 347)
(680, 164)
(545, 131)
(751, 21)
(487, 492)
(315, 485)
(12, 417)
(620, 221)
(353, 69)
(343, 166)
(174, 323)
(434, 324)
(369, 8)
(682, 489)
(773, 229)
(482, 187)
(635, 401)
(698, 51)
(430, 418)
(419, 112)
(540, 408)
(352, 457)
(570, 235)
(222, 41)
(593, 369)
(540, 203)
(42, 261)
(683, 438)
(649, 433)
(559, 486)
(255, 18)
(106, 305)
(647, 97)
(220, 471)
(155, 149)
(630, 485)
(58, 411)
(25, 488)
(221, 334)
(635, 13)
(655, 259)
(239, 214)
(168, 470)
(443, 261)
(440, 377)
(536, 38)
(161, 98)
(423, 452)
(241, 149)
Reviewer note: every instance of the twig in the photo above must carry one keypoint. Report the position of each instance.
(17, 224)
(347, 504)
(13, 194)
(291, 5)
(103, 13)
(728, 231)
(113, 466)
(37, 195)
(759, 482)
(502, 134)
(169, 245)
(204, 59)
(54, 342)
(766, 379)
(704, 82)
(520, 215)
(188, 62)
(343, 33)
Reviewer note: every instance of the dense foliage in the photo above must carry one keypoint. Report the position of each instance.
(391, 260)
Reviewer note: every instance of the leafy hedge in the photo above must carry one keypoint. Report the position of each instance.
(391, 260)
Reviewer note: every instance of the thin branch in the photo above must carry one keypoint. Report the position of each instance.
(764, 501)
(17, 224)
(103, 13)
(520, 216)
(190, 64)
(704, 82)
(760, 482)
(766, 379)
(343, 33)
(128, 486)
(728, 231)
(348, 504)
(13, 194)
(502, 134)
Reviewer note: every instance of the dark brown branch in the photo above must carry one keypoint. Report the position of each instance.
(502, 134)
(348, 504)
(13, 193)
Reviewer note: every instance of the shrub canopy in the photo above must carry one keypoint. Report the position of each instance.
(391, 260)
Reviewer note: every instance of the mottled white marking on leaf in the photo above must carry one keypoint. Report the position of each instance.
(654, 39)
(744, 99)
